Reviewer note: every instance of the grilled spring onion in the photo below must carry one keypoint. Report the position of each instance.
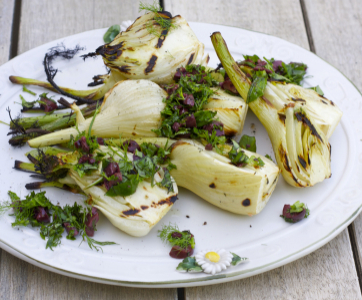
(133, 108)
(242, 190)
(301, 148)
(138, 53)
(130, 108)
(132, 205)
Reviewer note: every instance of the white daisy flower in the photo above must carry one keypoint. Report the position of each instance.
(214, 261)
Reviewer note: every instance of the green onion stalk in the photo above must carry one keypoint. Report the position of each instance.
(300, 146)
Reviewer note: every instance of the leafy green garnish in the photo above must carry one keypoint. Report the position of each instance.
(111, 33)
(190, 265)
(257, 86)
(298, 207)
(27, 104)
(183, 242)
(127, 187)
(248, 143)
(25, 89)
(75, 216)
(317, 89)
(197, 82)
(83, 169)
(164, 23)
(240, 159)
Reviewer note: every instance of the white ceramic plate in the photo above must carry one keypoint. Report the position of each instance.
(265, 239)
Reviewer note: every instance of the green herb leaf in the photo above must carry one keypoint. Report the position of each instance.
(317, 89)
(85, 168)
(111, 33)
(268, 157)
(25, 89)
(183, 242)
(190, 265)
(26, 104)
(248, 142)
(127, 187)
(257, 88)
(297, 207)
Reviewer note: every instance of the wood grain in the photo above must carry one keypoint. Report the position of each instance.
(41, 22)
(6, 17)
(328, 273)
(336, 27)
(44, 21)
(280, 18)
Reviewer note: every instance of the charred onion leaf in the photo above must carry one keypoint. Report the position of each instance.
(248, 142)
(36, 210)
(111, 33)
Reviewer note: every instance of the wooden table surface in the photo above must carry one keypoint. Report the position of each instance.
(330, 28)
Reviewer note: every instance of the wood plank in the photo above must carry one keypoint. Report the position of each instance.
(337, 31)
(277, 18)
(41, 22)
(328, 273)
(6, 19)
(44, 21)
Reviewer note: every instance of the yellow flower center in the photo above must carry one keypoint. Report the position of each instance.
(212, 256)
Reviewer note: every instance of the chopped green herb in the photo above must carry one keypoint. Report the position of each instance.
(111, 33)
(297, 207)
(182, 238)
(27, 104)
(257, 86)
(25, 89)
(317, 89)
(240, 159)
(51, 230)
(248, 143)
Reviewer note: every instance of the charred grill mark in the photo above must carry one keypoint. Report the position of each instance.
(144, 207)
(302, 161)
(207, 59)
(324, 102)
(296, 180)
(170, 200)
(165, 14)
(246, 202)
(162, 38)
(298, 100)
(124, 69)
(106, 50)
(150, 64)
(302, 118)
(297, 167)
(267, 101)
(283, 154)
(267, 181)
(131, 212)
(282, 118)
(308, 159)
(191, 58)
(212, 185)
(179, 143)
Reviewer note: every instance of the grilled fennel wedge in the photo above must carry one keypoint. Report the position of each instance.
(212, 176)
(133, 108)
(300, 146)
(141, 53)
(132, 206)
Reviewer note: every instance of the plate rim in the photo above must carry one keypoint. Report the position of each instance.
(190, 282)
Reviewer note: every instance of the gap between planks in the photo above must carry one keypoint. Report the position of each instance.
(351, 229)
